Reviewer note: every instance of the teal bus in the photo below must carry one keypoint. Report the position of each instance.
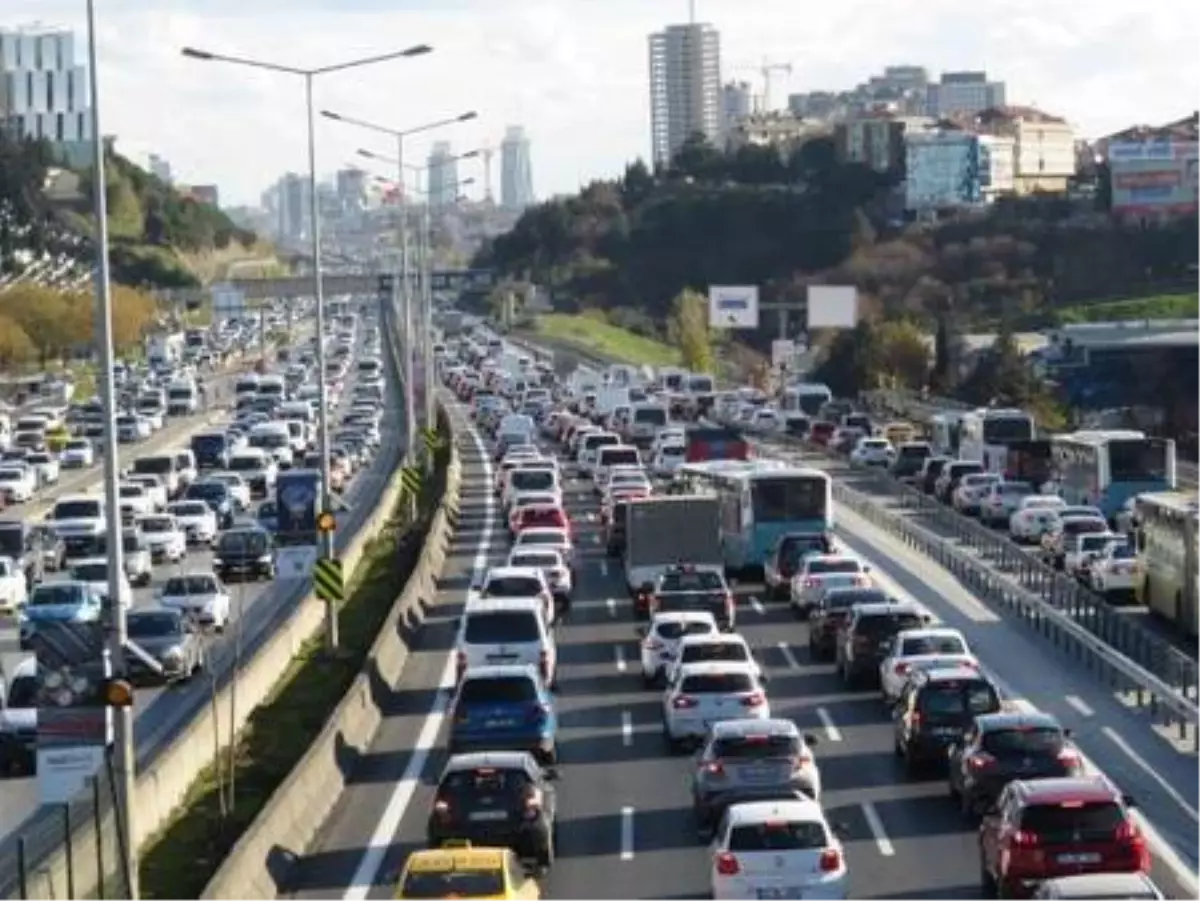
(760, 501)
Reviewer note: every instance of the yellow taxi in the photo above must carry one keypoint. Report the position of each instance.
(460, 871)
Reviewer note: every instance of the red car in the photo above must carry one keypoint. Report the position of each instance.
(541, 516)
(821, 432)
(1045, 828)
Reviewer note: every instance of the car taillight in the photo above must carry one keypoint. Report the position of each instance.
(533, 806)
(441, 809)
(729, 601)
(802, 759)
(683, 702)
(902, 669)
(757, 699)
(914, 720)
(538, 712)
(831, 860)
(716, 768)
(1068, 758)
(727, 864)
(981, 760)
(1023, 839)
(812, 583)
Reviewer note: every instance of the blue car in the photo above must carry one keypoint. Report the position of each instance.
(504, 708)
(58, 602)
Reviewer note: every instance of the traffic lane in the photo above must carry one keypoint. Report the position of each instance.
(407, 752)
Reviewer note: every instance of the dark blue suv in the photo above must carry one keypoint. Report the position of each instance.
(504, 708)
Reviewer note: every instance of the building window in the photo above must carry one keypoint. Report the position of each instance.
(50, 107)
(29, 91)
(70, 91)
(58, 127)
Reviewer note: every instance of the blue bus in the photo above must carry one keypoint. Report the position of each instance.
(761, 500)
(1108, 468)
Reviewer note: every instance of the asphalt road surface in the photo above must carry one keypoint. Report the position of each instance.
(158, 708)
(625, 821)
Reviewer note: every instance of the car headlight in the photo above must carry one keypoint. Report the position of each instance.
(175, 652)
(265, 558)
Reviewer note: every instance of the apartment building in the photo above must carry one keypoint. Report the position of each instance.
(685, 88)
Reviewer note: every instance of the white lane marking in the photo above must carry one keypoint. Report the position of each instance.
(626, 728)
(788, 656)
(368, 871)
(620, 655)
(831, 730)
(626, 833)
(876, 826)
(1115, 737)
(1080, 705)
(611, 604)
(604, 568)
(757, 605)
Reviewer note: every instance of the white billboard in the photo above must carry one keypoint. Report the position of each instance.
(228, 302)
(832, 306)
(733, 306)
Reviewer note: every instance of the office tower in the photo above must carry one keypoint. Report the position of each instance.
(442, 186)
(685, 88)
(516, 170)
(963, 92)
(737, 102)
(43, 93)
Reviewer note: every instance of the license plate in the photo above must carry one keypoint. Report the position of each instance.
(780, 892)
(494, 657)
(1079, 858)
(499, 724)
(487, 816)
(758, 773)
(946, 731)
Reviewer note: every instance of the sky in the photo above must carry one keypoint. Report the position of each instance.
(574, 72)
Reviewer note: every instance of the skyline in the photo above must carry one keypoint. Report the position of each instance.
(574, 72)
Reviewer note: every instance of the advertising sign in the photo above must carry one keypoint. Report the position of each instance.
(733, 306)
(1153, 178)
(297, 496)
(832, 306)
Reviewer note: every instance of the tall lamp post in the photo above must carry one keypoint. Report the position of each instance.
(399, 134)
(327, 549)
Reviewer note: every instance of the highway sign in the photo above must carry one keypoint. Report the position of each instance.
(295, 561)
(733, 306)
(328, 581)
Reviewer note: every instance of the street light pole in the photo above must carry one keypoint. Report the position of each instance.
(123, 749)
(327, 547)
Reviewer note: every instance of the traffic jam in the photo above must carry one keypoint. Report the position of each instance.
(203, 519)
(691, 517)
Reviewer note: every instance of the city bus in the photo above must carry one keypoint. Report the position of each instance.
(761, 500)
(1168, 543)
(805, 397)
(1106, 468)
(986, 433)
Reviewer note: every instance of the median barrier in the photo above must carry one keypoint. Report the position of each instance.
(163, 782)
(261, 860)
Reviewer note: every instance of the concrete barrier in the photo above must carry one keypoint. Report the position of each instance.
(261, 860)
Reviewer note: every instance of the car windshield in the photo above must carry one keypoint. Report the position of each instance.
(56, 594)
(751, 747)
(845, 599)
(880, 625)
(1023, 741)
(242, 541)
(471, 883)
(196, 509)
(246, 463)
(777, 836)
(541, 559)
(532, 479)
(498, 690)
(716, 683)
(90, 572)
(153, 625)
(194, 584)
(81, 509)
(513, 587)
(502, 627)
(132, 491)
(552, 539)
(827, 567)
(156, 524)
(957, 698)
(714, 650)
(212, 490)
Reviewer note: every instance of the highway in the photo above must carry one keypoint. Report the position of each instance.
(625, 823)
(161, 711)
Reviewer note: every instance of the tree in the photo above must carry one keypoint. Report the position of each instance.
(687, 329)
(45, 317)
(902, 355)
(15, 346)
(132, 313)
(850, 365)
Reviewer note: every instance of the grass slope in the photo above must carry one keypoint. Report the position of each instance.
(606, 340)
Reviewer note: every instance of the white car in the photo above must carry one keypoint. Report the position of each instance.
(239, 488)
(765, 419)
(17, 484)
(1036, 516)
(969, 494)
(777, 849)
(518, 582)
(1002, 500)
(911, 648)
(705, 693)
(818, 573)
(630, 481)
(550, 562)
(670, 436)
(710, 647)
(509, 463)
(77, 454)
(199, 594)
(532, 475)
(14, 590)
(155, 488)
(164, 537)
(94, 571)
(1113, 573)
(873, 452)
(667, 459)
(660, 644)
(1079, 549)
(506, 631)
(45, 466)
(547, 537)
(197, 519)
(135, 498)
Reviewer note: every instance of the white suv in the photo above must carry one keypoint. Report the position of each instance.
(506, 630)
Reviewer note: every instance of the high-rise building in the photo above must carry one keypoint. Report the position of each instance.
(43, 93)
(737, 102)
(443, 175)
(351, 190)
(685, 88)
(963, 93)
(516, 170)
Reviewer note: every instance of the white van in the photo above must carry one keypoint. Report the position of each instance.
(298, 409)
(182, 398)
(506, 631)
(614, 455)
(246, 385)
(589, 449)
(275, 438)
(165, 466)
(645, 421)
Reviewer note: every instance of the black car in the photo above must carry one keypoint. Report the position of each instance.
(217, 495)
(828, 617)
(866, 637)
(247, 552)
(1000, 747)
(785, 558)
(497, 798)
(935, 709)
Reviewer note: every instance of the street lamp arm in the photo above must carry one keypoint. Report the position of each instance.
(396, 132)
(418, 50)
(207, 56)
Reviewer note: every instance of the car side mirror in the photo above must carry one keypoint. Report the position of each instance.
(811, 740)
(550, 774)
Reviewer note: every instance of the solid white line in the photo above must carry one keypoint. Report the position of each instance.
(626, 833)
(876, 826)
(788, 656)
(368, 871)
(1080, 705)
(604, 568)
(831, 730)
(620, 655)
(626, 728)
(611, 604)
(1116, 738)
(757, 605)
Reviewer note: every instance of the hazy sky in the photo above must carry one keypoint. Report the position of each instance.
(573, 72)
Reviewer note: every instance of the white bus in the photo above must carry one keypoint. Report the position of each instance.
(1169, 552)
(805, 397)
(986, 433)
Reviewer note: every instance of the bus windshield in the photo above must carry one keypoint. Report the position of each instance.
(1137, 460)
(1002, 430)
(788, 499)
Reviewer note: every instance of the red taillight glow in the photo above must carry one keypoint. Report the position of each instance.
(727, 864)
(981, 761)
(1023, 839)
(902, 669)
(757, 699)
(716, 768)
(683, 702)
(831, 860)
(1068, 758)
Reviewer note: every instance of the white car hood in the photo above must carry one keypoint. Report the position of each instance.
(78, 526)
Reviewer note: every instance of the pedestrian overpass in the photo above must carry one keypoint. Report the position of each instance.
(333, 285)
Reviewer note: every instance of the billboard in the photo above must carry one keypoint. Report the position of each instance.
(832, 306)
(1153, 178)
(942, 171)
(733, 306)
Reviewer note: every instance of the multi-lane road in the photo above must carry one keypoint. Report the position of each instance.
(256, 606)
(625, 823)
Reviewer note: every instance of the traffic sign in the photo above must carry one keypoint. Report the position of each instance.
(327, 578)
(326, 521)
(433, 441)
(410, 480)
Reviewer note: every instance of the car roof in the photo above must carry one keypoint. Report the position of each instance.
(495, 605)
(931, 632)
(715, 638)
(1103, 885)
(683, 616)
(755, 812)
(442, 860)
(744, 727)
(1017, 719)
(1095, 787)
(503, 572)
(706, 667)
(501, 760)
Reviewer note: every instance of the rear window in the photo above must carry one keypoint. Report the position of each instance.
(716, 683)
(622, 457)
(881, 624)
(1029, 741)
(933, 644)
(674, 630)
(754, 747)
(513, 587)
(543, 559)
(499, 690)
(590, 442)
(794, 548)
(698, 581)
(1072, 822)
(821, 567)
(843, 600)
(651, 416)
(532, 480)
(502, 627)
(471, 784)
(1083, 526)
(454, 884)
(715, 650)
(783, 836)
(958, 698)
